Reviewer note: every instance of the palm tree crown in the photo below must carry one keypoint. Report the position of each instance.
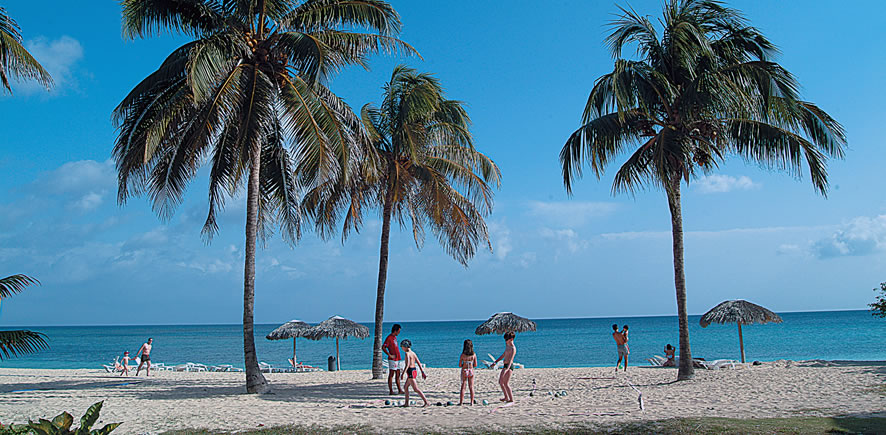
(248, 95)
(704, 87)
(15, 61)
(421, 167)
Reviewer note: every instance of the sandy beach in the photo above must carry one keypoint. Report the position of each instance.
(176, 400)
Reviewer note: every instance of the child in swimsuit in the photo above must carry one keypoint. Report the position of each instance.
(507, 358)
(467, 362)
(412, 362)
(124, 370)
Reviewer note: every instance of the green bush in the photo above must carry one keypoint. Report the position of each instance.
(61, 425)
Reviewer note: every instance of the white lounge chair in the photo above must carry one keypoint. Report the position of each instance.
(721, 364)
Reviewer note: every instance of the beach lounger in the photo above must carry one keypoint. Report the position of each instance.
(657, 361)
(721, 364)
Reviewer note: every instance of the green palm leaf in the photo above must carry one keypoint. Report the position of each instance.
(15, 61)
(15, 343)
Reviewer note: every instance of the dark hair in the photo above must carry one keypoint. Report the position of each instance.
(614, 327)
(626, 327)
(468, 349)
(406, 343)
(509, 335)
(669, 347)
(395, 328)
(150, 338)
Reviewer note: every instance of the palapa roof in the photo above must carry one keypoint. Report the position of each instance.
(738, 311)
(337, 327)
(290, 329)
(500, 323)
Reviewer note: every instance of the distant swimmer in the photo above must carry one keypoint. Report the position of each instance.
(145, 352)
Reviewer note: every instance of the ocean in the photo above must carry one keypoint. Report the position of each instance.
(835, 335)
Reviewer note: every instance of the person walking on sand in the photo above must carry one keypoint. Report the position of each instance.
(621, 342)
(124, 369)
(395, 363)
(145, 352)
(466, 362)
(412, 362)
(507, 358)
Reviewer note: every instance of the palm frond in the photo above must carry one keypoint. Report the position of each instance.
(15, 284)
(21, 342)
(15, 61)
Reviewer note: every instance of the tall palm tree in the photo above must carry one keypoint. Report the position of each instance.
(704, 89)
(15, 61)
(248, 95)
(14, 343)
(422, 167)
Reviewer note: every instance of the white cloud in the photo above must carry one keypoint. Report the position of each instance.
(501, 239)
(88, 202)
(59, 57)
(724, 183)
(570, 213)
(567, 236)
(860, 236)
(85, 183)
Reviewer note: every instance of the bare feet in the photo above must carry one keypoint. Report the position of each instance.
(425, 405)
(503, 399)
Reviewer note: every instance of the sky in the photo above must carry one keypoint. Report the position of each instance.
(525, 69)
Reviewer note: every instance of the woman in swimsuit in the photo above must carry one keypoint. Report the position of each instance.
(467, 362)
(411, 372)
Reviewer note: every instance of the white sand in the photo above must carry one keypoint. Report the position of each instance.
(169, 400)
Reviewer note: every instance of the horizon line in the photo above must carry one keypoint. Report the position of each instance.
(419, 321)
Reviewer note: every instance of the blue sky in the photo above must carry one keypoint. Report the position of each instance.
(525, 69)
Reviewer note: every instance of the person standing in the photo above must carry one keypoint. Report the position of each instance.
(395, 362)
(145, 353)
(413, 366)
(621, 342)
(507, 368)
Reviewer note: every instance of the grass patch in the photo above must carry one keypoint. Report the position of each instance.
(676, 426)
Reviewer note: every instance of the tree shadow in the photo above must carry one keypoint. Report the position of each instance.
(108, 381)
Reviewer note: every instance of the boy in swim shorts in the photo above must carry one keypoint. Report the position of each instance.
(504, 378)
(412, 366)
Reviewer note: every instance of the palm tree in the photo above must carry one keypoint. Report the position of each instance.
(422, 167)
(704, 89)
(14, 343)
(247, 94)
(15, 61)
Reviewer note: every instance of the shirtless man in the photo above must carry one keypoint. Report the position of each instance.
(145, 352)
(395, 364)
(504, 378)
(621, 341)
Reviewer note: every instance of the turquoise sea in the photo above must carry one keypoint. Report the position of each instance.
(836, 335)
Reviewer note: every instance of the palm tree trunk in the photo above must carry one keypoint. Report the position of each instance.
(382, 279)
(255, 381)
(686, 370)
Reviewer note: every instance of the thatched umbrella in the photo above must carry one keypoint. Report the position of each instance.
(337, 327)
(291, 329)
(741, 312)
(500, 323)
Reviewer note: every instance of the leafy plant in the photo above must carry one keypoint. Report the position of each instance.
(878, 308)
(61, 424)
(14, 343)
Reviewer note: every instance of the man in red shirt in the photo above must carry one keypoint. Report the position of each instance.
(395, 364)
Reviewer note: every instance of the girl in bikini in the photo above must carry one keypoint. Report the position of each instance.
(467, 362)
(411, 372)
